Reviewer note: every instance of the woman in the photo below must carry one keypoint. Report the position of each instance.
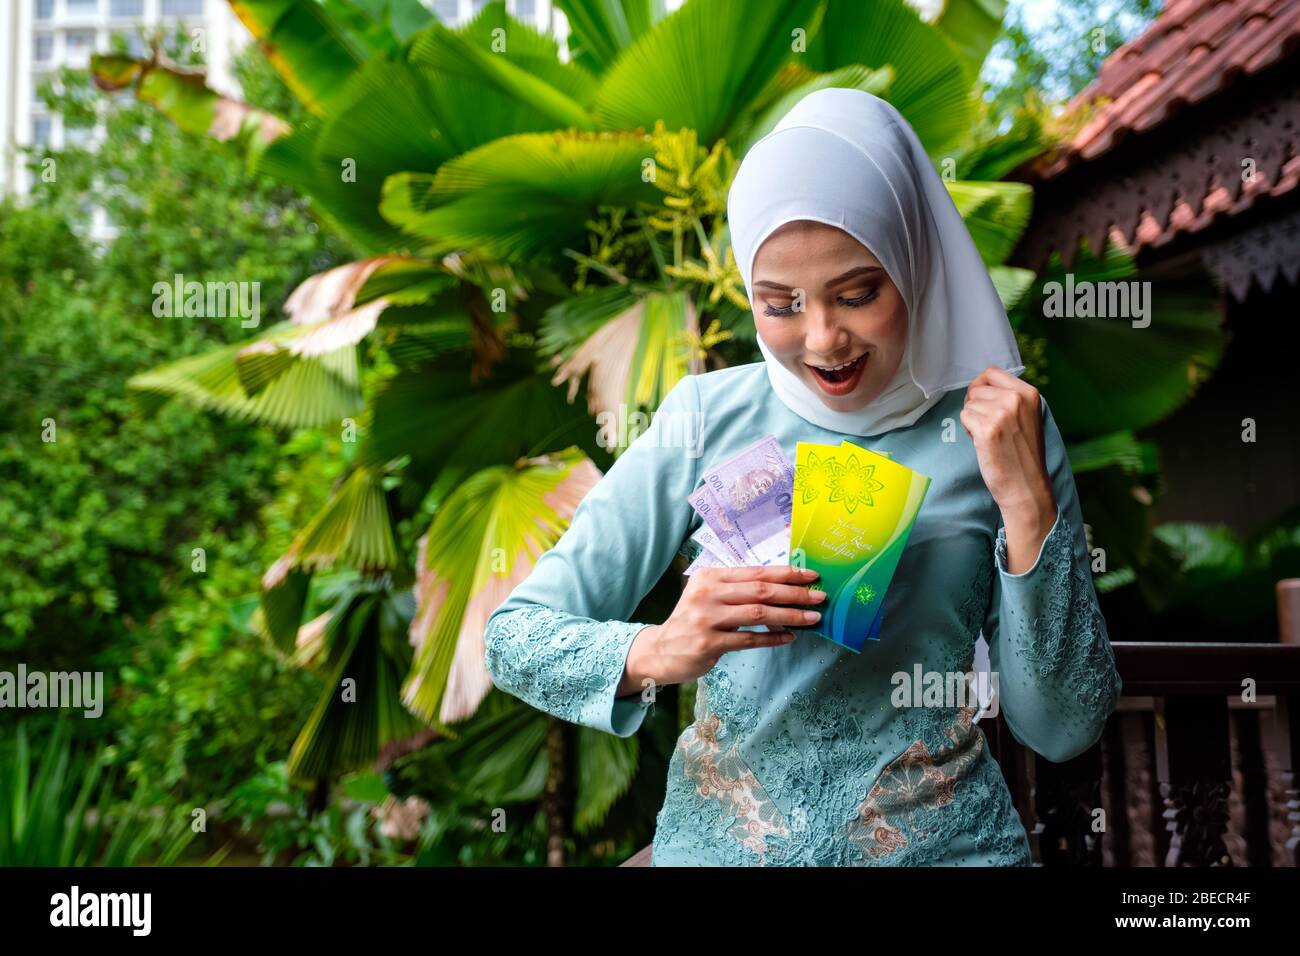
(878, 323)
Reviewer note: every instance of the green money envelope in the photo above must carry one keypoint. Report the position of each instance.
(853, 510)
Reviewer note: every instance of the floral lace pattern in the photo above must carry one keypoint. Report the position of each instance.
(565, 665)
(905, 817)
(1067, 636)
(912, 782)
(938, 795)
(713, 792)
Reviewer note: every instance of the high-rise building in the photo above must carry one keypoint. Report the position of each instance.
(37, 37)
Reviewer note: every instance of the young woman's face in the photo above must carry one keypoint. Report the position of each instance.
(828, 311)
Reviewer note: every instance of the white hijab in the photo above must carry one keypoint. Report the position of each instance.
(849, 159)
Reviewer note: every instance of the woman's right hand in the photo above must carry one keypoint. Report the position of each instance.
(704, 625)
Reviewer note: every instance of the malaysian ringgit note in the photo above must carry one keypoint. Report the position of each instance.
(717, 519)
(745, 504)
(754, 489)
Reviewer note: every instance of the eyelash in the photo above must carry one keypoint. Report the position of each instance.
(851, 303)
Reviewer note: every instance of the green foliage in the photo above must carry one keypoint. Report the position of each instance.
(57, 809)
(1102, 377)
(1056, 54)
(1215, 562)
(97, 556)
(278, 817)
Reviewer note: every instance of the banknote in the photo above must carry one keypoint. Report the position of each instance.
(775, 550)
(754, 490)
(719, 521)
(746, 505)
(705, 559)
(708, 539)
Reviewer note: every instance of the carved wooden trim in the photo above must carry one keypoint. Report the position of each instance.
(1193, 765)
(1261, 253)
(1178, 164)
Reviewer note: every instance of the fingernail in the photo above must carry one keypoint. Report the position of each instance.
(787, 639)
(817, 595)
(809, 573)
(811, 616)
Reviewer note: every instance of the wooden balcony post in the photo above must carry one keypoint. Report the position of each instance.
(1193, 766)
(1286, 734)
(1065, 798)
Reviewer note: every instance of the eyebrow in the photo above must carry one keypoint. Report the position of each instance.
(842, 277)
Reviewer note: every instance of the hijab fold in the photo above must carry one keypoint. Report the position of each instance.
(849, 159)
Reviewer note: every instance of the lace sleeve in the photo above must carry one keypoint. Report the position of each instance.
(560, 640)
(567, 666)
(1048, 644)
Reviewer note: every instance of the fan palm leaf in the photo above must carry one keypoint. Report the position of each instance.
(353, 528)
(701, 67)
(450, 427)
(995, 214)
(360, 710)
(971, 26)
(182, 95)
(312, 52)
(483, 541)
(931, 88)
(599, 30)
(635, 359)
(1107, 374)
(310, 393)
(499, 52)
(520, 197)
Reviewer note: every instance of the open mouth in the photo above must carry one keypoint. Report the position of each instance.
(841, 379)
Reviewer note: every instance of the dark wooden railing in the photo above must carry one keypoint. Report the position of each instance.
(1197, 766)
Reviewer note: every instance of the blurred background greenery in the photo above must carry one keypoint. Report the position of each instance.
(367, 473)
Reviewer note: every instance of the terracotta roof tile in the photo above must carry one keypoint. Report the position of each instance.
(1217, 62)
(1194, 50)
(1218, 203)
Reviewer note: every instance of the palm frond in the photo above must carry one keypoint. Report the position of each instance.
(498, 51)
(600, 29)
(310, 393)
(483, 541)
(311, 51)
(931, 88)
(702, 67)
(637, 357)
(353, 528)
(360, 710)
(971, 26)
(522, 196)
(995, 214)
(1120, 371)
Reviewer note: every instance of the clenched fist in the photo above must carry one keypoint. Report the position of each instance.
(1004, 418)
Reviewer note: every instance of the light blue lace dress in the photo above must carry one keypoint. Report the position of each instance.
(798, 755)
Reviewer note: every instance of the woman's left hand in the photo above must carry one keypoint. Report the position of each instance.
(1004, 418)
